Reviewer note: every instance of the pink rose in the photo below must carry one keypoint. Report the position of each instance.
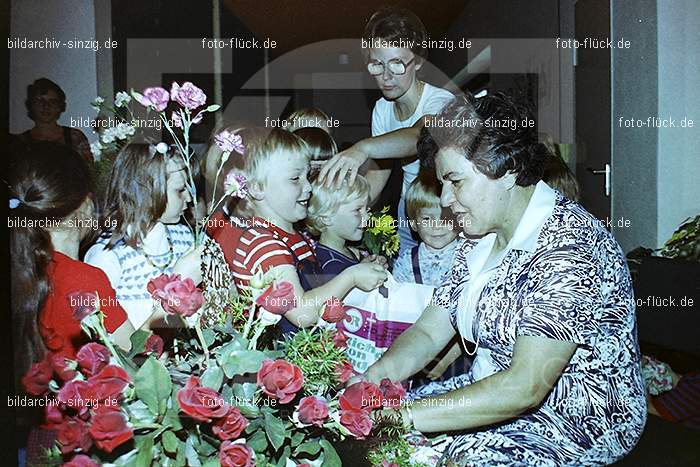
(362, 395)
(340, 339)
(156, 98)
(229, 141)
(188, 95)
(36, 381)
(154, 345)
(386, 463)
(333, 310)
(177, 296)
(81, 460)
(73, 434)
(280, 379)
(312, 411)
(63, 366)
(109, 383)
(278, 298)
(77, 395)
(345, 371)
(109, 429)
(235, 455)
(83, 304)
(357, 421)
(231, 426)
(392, 393)
(53, 417)
(92, 358)
(201, 403)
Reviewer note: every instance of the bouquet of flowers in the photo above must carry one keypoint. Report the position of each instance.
(381, 236)
(219, 399)
(222, 395)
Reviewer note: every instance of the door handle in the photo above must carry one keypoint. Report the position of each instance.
(606, 172)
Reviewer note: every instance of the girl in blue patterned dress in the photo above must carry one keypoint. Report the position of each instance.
(542, 289)
(145, 201)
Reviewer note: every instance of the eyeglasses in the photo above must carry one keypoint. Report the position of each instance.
(395, 66)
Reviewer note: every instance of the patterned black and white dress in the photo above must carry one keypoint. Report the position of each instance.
(563, 276)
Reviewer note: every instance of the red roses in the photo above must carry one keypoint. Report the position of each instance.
(312, 411)
(280, 379)
(201, 403)
(92, 358)
(109, 428)
(231, 426)
(232, 454)
(333, 310)
(359, 399)
(176, 295)
(278, 298)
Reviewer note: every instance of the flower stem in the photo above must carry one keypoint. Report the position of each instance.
(203, 343)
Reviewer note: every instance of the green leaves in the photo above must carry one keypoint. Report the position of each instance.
(213, 377)
(242, 395)
(170, 442)
(153, 386)
(330, 456)
(212, 108)
(138, 342)
(240, 362)
(274, 428)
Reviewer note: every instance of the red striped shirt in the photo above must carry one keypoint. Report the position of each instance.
(260, 247)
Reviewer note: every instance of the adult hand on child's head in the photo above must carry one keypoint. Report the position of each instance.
(368, 276)
(345, 163)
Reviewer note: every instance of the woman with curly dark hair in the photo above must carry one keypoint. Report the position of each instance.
(542, 289)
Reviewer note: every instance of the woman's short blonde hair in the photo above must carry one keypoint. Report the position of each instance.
(421, 195)
(325, 201)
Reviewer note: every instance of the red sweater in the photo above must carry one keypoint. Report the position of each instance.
(57, 325)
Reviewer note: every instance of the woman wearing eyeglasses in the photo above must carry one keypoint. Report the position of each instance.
(392, 43)
(45, 103)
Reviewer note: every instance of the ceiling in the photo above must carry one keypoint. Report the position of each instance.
(294, 23)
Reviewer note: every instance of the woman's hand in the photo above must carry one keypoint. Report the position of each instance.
(345, 163)
(368, 276)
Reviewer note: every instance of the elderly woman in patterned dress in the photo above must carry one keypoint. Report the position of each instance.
(542, 289)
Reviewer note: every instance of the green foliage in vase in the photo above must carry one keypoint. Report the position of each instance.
(685, 241)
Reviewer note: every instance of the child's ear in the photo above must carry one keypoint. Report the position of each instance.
(327, 221)
(256, 191)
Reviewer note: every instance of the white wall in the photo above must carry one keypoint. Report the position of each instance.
(679, 97)
(72, 69)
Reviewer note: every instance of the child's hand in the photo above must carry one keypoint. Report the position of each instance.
(376, 259)
(190, 264)
(368, 276)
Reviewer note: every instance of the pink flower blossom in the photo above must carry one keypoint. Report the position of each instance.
(177, 296)
(229, 141)
(156, 97)
(235, 185)
(188, 95)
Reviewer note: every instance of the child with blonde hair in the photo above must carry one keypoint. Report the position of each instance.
(338, 216)
(321, 146)
(275, 165)
(142, 236)
(429, 261)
